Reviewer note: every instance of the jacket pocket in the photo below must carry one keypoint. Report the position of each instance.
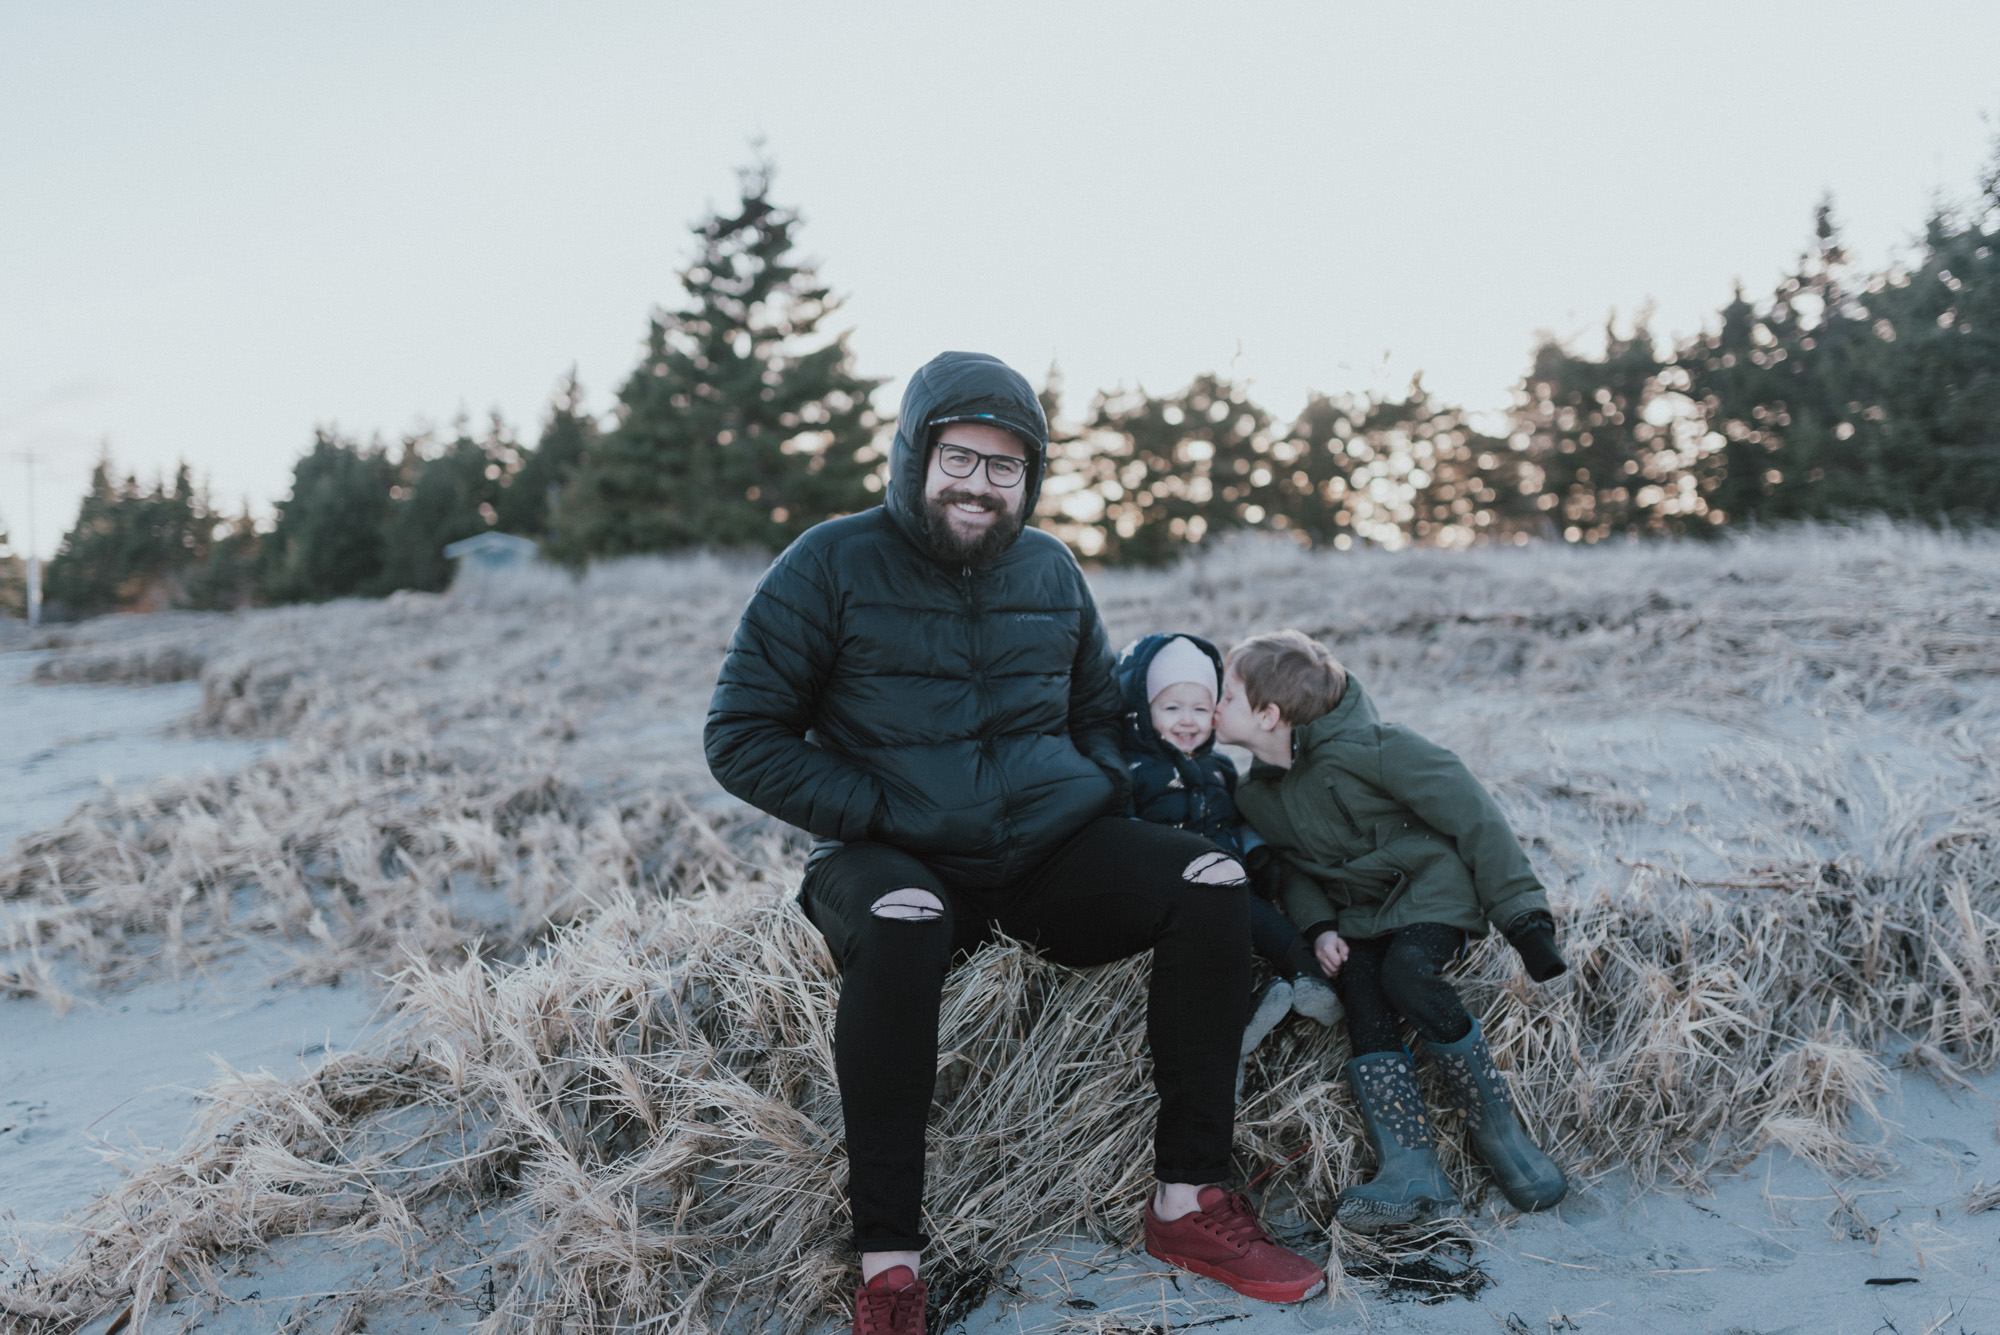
(1345, 813)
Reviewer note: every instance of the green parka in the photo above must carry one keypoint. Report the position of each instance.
(1380, 828)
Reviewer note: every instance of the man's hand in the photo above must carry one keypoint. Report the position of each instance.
(1331, 952)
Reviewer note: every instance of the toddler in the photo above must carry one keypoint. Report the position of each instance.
(1392, 854)
(1170, 684)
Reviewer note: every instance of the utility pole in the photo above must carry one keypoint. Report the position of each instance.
(27, 457)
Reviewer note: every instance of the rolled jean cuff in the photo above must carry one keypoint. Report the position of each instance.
(907, 1242)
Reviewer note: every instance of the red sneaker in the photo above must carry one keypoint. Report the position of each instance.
(892, 1303)
(1224, 1241)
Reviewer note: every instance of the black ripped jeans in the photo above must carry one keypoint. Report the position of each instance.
(1403, 974)
(1117, 889)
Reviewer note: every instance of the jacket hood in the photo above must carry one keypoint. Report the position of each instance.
(1354, 713)
(961, 385)
(1133, 660)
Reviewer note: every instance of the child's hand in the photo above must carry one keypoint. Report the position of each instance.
(1533, 935)
(1331, 952)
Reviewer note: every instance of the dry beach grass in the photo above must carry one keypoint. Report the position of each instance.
(1755, 774)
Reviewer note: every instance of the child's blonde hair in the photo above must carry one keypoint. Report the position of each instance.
(1292, 670)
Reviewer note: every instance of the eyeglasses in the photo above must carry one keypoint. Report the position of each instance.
(1002, 470)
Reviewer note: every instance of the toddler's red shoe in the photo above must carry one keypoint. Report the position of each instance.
(1224, 1241)
(892, 1303)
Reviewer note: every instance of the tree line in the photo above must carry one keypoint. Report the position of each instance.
(1842, 392)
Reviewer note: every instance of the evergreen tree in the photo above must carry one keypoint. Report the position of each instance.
(1149, 477)
(1610, 469)
(1816, 361)
(328, 539)
(534, 492)
(1164, 472)
(1068, 507)
(1934, 419)
(227, 578)
(1725, 378)
(1394, 470)
(89, 564)
(442, 499)
(741, 426)
(13, 578)
(130, 545)
(1312, 492)
(1842, 395)
(1241, 478)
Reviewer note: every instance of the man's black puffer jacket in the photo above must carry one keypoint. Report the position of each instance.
(966, 716)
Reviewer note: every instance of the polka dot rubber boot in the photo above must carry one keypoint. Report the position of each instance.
(1527, 1177)
(1410, 1186)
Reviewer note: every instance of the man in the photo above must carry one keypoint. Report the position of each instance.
(926, 687)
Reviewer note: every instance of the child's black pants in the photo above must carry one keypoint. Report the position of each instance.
(1119, 888)
(1402, 974)
(1278, 943)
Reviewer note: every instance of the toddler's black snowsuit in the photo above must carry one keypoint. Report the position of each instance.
(1197, 793)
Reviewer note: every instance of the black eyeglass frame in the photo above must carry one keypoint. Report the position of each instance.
(979, 457)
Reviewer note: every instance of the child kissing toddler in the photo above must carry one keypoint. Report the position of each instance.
(1171, 683)
(1393, 854)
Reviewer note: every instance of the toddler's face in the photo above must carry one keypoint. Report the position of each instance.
(1184, 714)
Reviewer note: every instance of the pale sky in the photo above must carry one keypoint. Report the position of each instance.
(224, 223)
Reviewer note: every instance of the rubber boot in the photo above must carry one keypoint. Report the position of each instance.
(1410, 1186)
(1528, 1178)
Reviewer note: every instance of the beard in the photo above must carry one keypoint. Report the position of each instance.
(982, 550)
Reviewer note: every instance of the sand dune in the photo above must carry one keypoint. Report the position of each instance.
(1756, 775)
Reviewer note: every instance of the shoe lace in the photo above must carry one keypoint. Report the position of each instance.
(885, 1310)
(1233, 1218)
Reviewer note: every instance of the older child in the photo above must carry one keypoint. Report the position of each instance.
(1179, 778)
(1393, 854)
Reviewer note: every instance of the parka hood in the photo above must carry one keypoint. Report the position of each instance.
(961, 385)
(1133, 661)
(1355, 712)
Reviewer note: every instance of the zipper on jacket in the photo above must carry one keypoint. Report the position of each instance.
(1341, 802)
(974, 623)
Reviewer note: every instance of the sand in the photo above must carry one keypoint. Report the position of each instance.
(83, 1086)
(1776, 1248)
(60, 744)
(1839, 735)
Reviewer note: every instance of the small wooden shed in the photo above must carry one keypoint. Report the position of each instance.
(492, 551)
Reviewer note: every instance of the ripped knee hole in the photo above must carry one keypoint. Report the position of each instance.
(1214, 869)
(908, 905)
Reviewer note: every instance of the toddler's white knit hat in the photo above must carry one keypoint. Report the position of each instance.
(1181, 659)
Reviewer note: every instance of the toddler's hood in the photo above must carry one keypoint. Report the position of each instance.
(1133, 660)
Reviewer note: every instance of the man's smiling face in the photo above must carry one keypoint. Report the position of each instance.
(972, 518)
